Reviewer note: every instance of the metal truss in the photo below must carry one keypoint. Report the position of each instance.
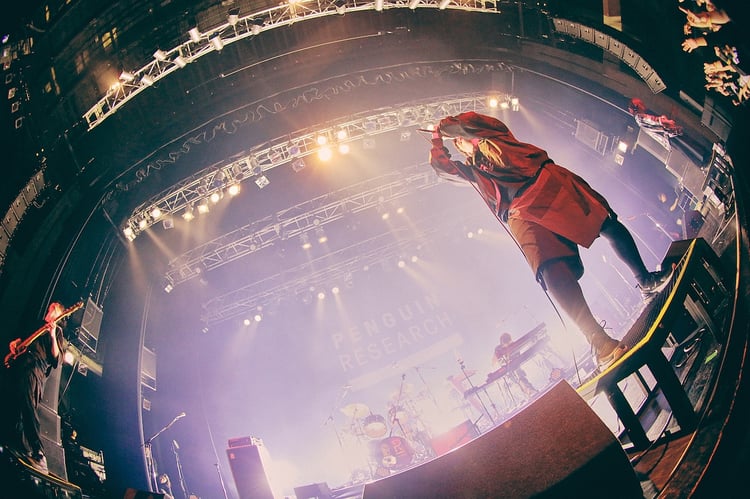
(298, 219)
(238, 28)
(298, 282)
(294, 148)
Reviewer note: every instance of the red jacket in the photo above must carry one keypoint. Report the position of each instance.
(520, 181)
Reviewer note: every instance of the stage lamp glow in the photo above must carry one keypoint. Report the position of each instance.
(325, 153)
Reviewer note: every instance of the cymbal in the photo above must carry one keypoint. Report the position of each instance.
(405, 390)
(355, 410)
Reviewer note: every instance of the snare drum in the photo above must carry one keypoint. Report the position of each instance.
(374, 426)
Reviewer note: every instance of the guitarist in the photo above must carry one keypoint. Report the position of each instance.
(23, 388)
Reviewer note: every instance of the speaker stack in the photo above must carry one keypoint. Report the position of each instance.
(246, 456)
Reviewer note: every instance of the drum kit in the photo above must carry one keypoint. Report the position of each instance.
(394, 442)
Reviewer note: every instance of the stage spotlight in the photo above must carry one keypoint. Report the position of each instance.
(168, 287)
(401, 264)
(335, 290)
(142, 223)
(168, 223)
(203, 207)
(233, 16)
(188, 213)
(262, 181)
(514, 104)
(622, 146)
(233, 189)
(378, 5)
(305, 241)
(160, 55)
(443, 4)
(493, 102)
(344, 148)
(413, 4)
(217, 43)
(321, 235)
(155, 212)
(180, 61)
(246, 322)
(127, 76)
(321, 295)
(195, 35)
(215, 197)
(340, 6)
(325, 153)
(298, 164)
(321, 140)
(342, 134)
(147, 80)
(129, 233)
(258, 317)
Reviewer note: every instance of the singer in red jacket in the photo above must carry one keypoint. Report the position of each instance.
(549, 210)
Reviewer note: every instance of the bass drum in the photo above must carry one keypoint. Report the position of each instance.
(393, 453)
(374, 426)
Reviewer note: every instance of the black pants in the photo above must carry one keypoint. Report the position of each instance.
(23, 387)
(561, 280)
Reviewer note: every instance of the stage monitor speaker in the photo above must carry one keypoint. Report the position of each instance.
(141, 494)
(556, 447)
(248, 471)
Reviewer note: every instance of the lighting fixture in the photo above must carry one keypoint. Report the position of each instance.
(180, 61)
(234, 16)
(127, 76)
(195, 35)
(262, 181)
(217, 43)
(160, 55)
(147, 80)
(325, 153)
(443, 4)
(188, 214)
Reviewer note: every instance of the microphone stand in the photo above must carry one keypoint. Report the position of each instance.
(153, 483)
(180, 476)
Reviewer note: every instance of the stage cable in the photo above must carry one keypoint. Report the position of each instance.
(518, 245)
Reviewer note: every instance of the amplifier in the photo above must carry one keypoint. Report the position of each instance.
(243, 441)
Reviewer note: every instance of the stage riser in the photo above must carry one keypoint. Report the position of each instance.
(556, 447)
(19, 481)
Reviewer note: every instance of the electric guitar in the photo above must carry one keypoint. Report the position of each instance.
(24, 345)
